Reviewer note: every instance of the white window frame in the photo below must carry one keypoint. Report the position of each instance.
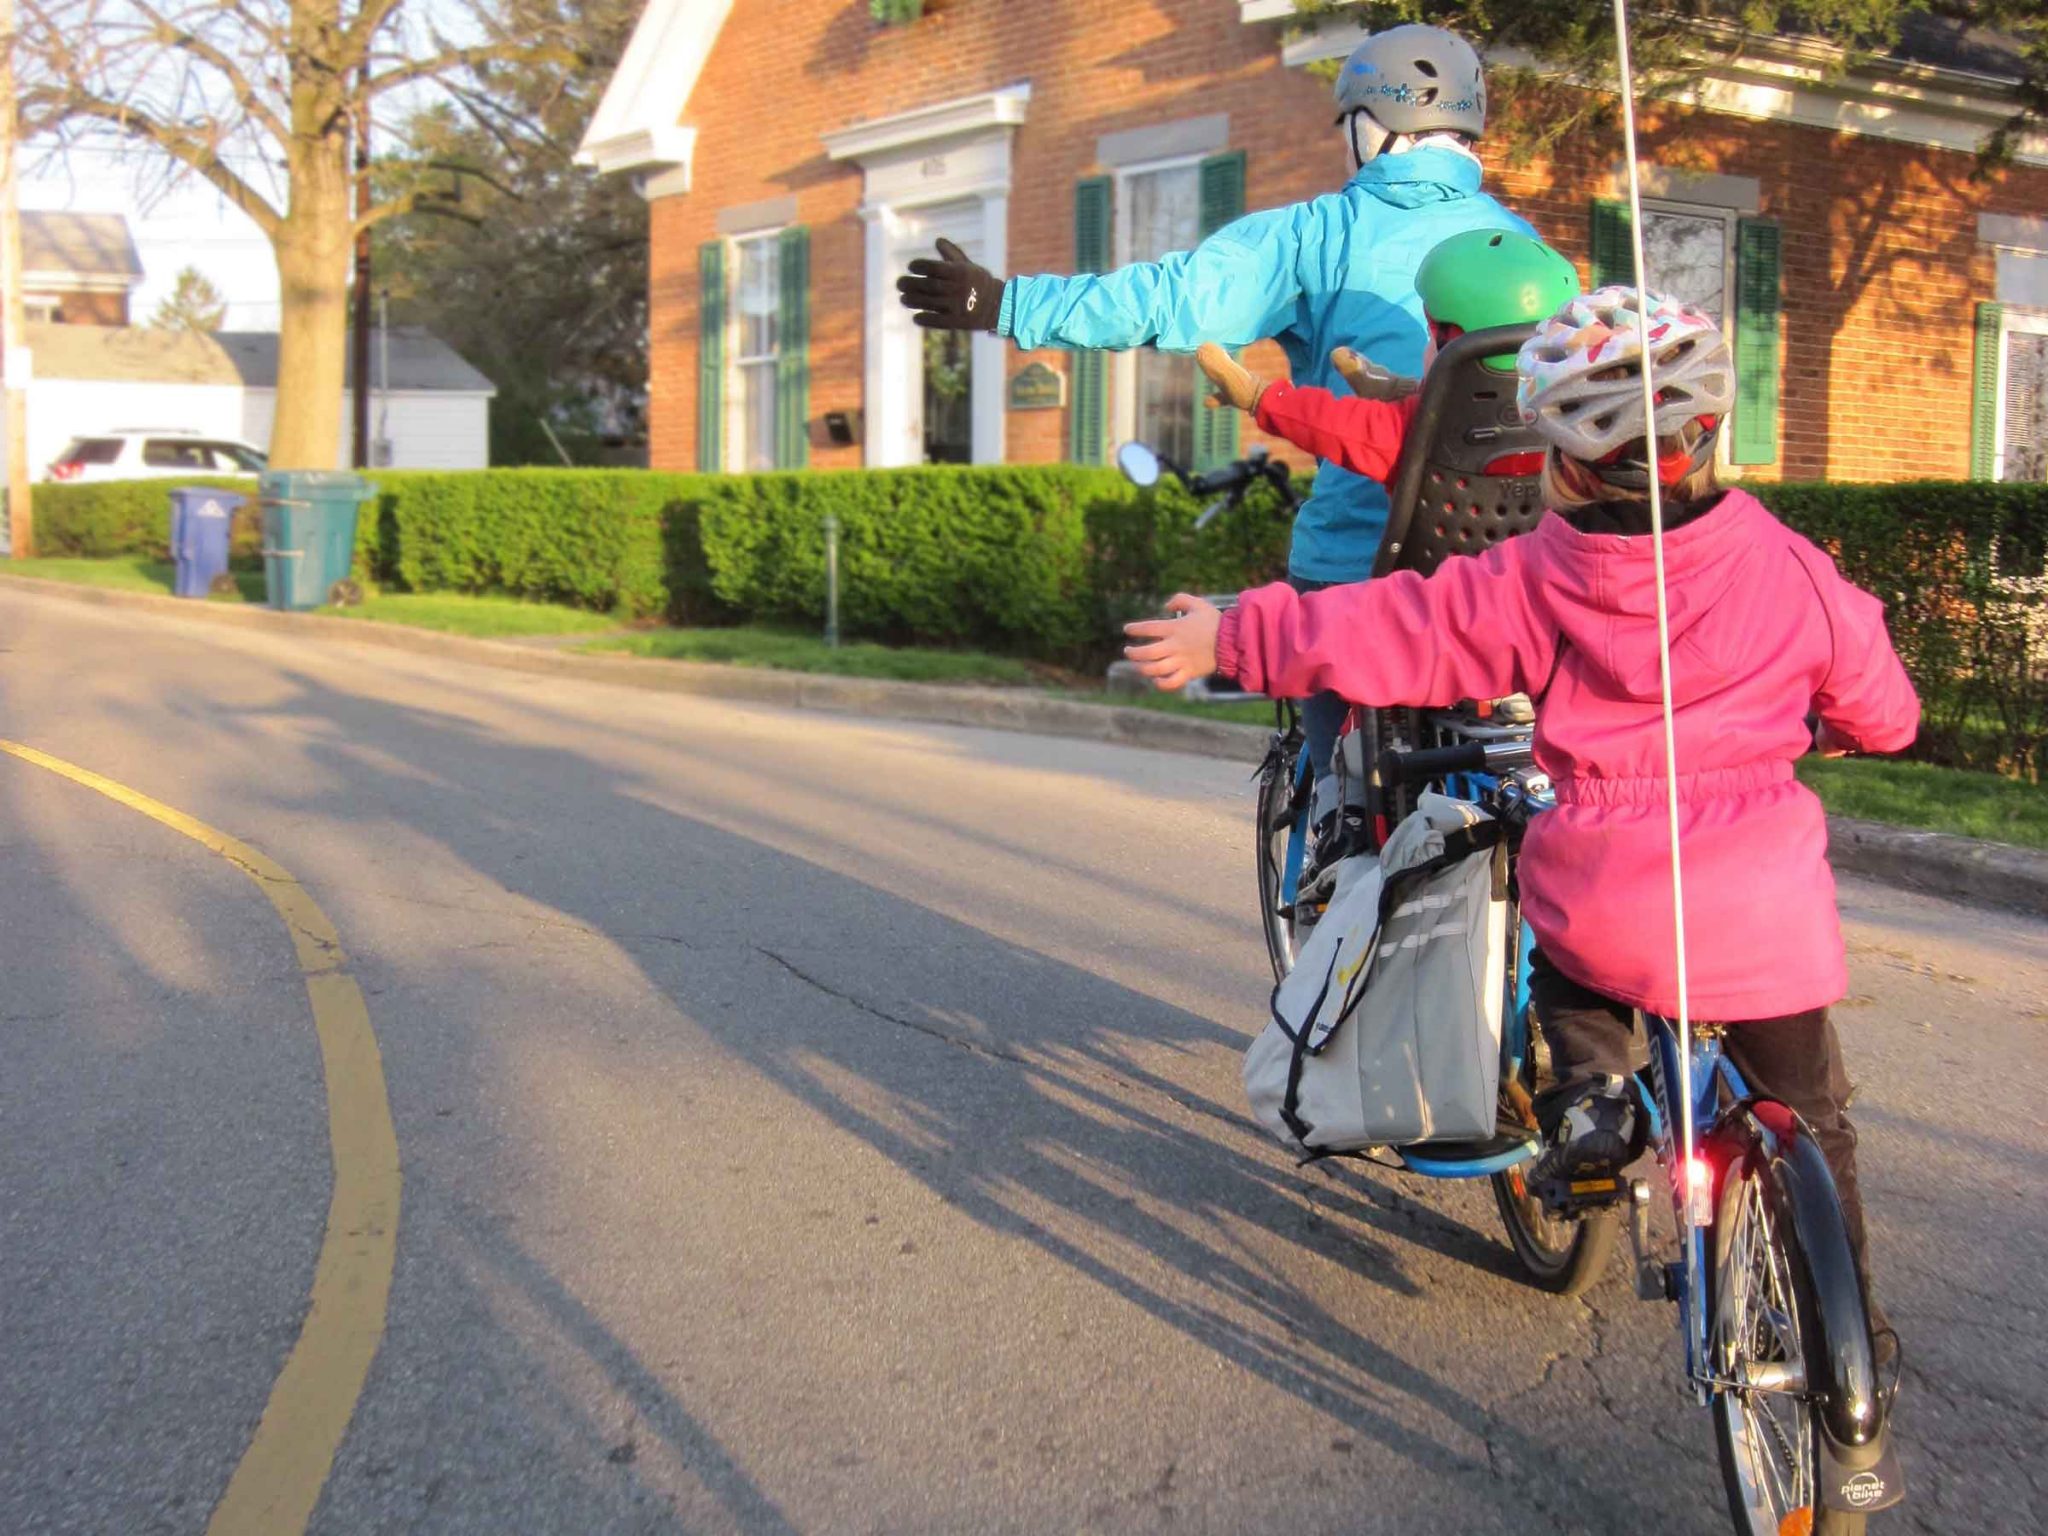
(735, 450)
(2012, 317)
(1123, 369)
(1731, 218)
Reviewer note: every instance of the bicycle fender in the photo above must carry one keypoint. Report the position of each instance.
(1843, 1373)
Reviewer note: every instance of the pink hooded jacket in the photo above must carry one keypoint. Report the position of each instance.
(1763, 629)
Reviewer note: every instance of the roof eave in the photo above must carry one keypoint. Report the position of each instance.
(638, 123)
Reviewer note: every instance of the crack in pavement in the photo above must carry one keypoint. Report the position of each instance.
(998, 1053)
(959, 1042)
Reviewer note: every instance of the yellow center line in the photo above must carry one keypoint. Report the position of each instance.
(279, 1478)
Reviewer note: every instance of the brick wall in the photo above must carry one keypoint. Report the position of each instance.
(1881, 262)
(77, 308)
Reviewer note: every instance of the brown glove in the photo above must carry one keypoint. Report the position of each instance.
(1368, 380)
(1235, 384)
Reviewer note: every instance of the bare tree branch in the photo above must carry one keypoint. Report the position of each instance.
(171, 34)
(362, 32)
(192, 147)
(418, 200)
(456, 61)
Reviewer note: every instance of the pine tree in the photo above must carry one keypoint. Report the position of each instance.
(194, 305)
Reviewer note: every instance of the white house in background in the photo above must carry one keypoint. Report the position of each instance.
(428, 408)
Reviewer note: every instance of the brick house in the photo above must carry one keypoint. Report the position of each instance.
(78, 268)
(1890, 309)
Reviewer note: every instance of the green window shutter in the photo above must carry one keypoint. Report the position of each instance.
(1757, 312)
(1614, 259)
(1222, 191)
(711, 355)
(1088, 421)
(1984, 403)
(793, 359)
(1216, 429)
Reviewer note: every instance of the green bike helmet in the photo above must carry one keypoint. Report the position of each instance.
(1488, 277)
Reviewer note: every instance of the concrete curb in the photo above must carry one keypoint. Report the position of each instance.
(1986, 874)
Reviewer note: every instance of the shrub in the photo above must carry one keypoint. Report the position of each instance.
(126, 517)
(1959, 567)
(993, 557)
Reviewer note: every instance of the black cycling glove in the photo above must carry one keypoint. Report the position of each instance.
(952, 293)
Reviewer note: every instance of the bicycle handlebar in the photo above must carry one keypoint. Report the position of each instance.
(1227, 482)
(1428, 763)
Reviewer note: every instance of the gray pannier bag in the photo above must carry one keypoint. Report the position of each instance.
(1387, 1030)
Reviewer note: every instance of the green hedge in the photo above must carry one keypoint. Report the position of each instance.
(1048, 561)
(124, 517)
(1959, 566)
(1042, 561)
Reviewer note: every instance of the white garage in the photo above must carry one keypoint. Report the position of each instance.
(428, 408)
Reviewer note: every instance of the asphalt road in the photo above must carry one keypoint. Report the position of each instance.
(813, 1125)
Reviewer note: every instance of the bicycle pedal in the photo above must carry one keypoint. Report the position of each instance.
(1574, 1197)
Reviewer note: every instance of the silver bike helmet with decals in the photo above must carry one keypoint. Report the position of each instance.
(1414, 80)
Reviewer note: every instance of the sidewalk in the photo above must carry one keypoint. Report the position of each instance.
(1988, 874)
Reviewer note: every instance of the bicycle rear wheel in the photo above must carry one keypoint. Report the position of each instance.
(1765, 1333)
(1564, 1257)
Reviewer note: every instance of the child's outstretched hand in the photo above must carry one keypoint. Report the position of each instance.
(1368, 380)
(1828, 744)
(1235, 384)
(1174, 652)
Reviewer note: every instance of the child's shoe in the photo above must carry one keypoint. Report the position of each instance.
(1594, 1136)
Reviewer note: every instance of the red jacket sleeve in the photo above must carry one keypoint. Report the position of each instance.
(1867, 701)
(1364, 436)
(1470, 631)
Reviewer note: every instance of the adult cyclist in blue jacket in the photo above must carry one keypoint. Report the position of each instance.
(1337, 270)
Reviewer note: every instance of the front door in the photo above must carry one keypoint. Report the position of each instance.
(932, 380)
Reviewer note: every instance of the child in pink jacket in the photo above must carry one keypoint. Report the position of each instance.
(1764, 631)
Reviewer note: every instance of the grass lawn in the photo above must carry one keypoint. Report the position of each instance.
(1254, 712)
(126, 573)
(754, 645)
(1933, 799)
(484, 615)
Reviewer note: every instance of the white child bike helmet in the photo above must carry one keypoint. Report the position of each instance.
(1580, 380)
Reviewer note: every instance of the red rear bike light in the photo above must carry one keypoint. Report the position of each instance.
(1697, 1174)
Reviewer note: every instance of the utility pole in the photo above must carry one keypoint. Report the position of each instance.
(14, 323)
(360, 353)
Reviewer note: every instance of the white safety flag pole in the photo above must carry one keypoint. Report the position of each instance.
(1684, 1170)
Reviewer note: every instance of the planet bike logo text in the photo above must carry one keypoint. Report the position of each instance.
(1863, 1490)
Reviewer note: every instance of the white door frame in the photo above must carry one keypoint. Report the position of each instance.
(950, 153)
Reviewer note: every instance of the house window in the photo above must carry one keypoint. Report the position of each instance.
(1159, 211)
(1690, 254)
(39, 307)
(2023, 396)
(757, 349)
(1727, 265)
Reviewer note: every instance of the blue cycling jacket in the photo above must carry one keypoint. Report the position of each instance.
(1335, 271)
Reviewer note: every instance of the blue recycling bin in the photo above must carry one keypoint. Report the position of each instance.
(201, 519)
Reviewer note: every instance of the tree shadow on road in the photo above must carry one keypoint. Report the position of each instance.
(1043, 1101)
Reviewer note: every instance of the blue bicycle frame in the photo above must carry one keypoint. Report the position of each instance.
(1712, 1073)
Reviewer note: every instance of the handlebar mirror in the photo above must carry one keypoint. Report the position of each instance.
(1139, 464)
